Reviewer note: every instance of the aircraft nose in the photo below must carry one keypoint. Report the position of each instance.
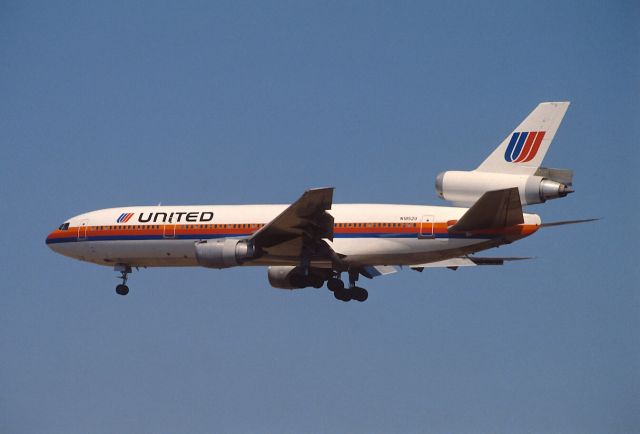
(49, 240)
(55, 241)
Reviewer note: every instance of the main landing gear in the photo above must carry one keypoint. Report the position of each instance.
(124, 270)
(353, 292)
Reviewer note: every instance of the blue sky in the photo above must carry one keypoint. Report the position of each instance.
(126, 103)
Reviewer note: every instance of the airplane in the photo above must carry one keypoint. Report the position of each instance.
(313, 241)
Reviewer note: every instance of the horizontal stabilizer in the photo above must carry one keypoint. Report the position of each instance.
(566, 222)
(467, 261)
(495, 209)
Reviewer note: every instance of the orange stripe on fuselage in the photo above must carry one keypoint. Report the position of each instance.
(248, 229)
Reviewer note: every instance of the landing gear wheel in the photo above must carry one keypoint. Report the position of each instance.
(359, 294)
(335, 285)
(122, 289)
(342, 295)
(316, 281)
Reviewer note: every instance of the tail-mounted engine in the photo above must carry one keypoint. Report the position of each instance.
(223, 252)
(465, 188)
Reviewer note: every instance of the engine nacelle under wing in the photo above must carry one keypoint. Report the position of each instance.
(293, 277)
(465, 188)
(223, 252)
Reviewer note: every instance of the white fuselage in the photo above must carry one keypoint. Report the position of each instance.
(374, 234)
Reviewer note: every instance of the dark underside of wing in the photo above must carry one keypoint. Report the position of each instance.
(300, 228)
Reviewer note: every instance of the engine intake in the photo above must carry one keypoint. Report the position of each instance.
(223, 252)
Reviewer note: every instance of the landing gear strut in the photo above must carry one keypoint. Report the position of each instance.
(124, 270)
(341, 293)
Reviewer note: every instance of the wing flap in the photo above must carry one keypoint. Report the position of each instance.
(371, 271)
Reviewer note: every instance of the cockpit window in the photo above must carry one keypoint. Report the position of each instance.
(64, 226)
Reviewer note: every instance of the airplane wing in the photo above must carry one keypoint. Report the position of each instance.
(301, 226)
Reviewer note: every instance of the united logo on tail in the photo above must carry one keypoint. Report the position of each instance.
(523, 146)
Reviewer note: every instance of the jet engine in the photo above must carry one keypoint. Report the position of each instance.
(465, 188)
(223, 252)
(294, 277)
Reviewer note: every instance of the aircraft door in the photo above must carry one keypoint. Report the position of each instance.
(169, 231)
(426, 227)
(82, 230)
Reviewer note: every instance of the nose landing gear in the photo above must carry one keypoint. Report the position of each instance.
(122, 289)
(124, 270)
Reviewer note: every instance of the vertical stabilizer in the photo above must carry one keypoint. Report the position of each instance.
(524, 149)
